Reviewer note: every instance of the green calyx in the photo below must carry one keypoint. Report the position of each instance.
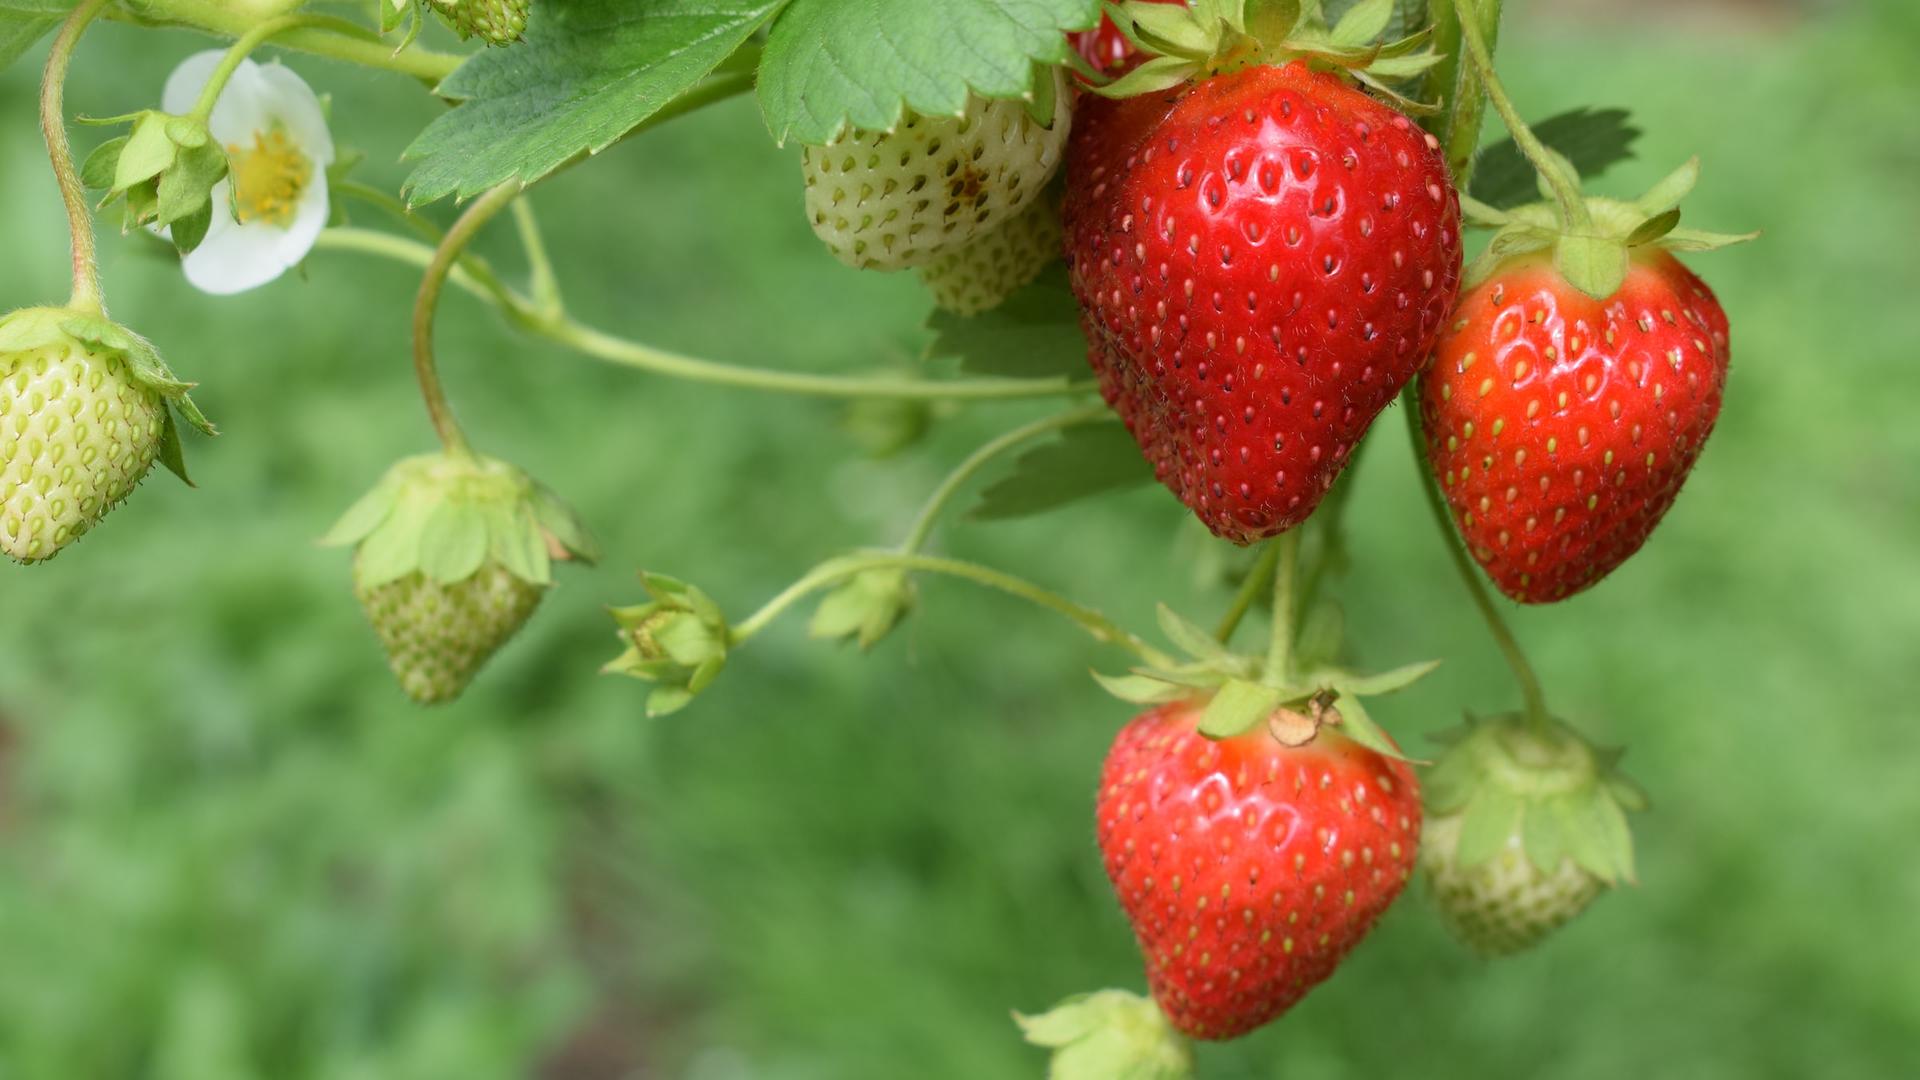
(678, 640)
(446, 516)
(866, 608)
(1563, 798)
(1109, 1035)
(1209, 37)
(53, 328)
(1592, 243)
(165, 169)
(1312, 691)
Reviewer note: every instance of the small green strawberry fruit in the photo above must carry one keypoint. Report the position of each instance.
(1526, 826)
(497, 22)
(977, 277)
(453, 552)
(888, 200)
(84, 413)
(678, 641)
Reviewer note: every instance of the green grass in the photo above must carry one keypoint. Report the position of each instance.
(230, 850)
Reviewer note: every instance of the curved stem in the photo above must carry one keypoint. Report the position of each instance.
(1257, 581)
(358, 47)
(398, 210)
(542, 282)
(1566, 190)
(617, 350)
(923, 523)
(251, 40)
(1530, 692)
(833, 571)
(1280, 645)
(470, 275)
(53, 125)
(427, 303)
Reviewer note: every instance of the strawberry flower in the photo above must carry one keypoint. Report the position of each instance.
(269, 210)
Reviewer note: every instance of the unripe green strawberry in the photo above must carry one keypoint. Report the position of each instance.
(83, 416)
(497, 22)
(454, 553)
(888, 200)
(1525, 828)
(979, 276)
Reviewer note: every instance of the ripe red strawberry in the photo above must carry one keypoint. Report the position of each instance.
(1249, 868)
(1262, 259)
(1561, 427)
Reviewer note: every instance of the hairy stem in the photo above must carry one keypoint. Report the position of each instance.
(427, 302)
(1453, 82)
(1566, 189)
(834, 571)
(53, 125)
(356, 47)
(618, 350)
(1285, 577)
(253, 39)
(1535, 699)
(1259, 578)
(923, 523)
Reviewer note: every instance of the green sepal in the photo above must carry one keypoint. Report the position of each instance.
(171, 454)
(678, 639)
(1359, 725)
(149, 151)
(99, 168)
(187, 232)
(1362, 23)
(1109, 1035)
(865, 608)
(1238, 706)
(1654, 228)
(49, 325)
(1141, 689)
(449, 515)
(1489, 822)
(1540, 836)
(1595, 265)
(1151, 77)
(1189, 638)
(1386, 682)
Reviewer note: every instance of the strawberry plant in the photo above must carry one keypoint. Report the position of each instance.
(1220, 239)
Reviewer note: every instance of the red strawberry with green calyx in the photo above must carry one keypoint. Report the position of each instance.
(1263, 256)
(1574, 389)
(1526, 826)
(452, 553)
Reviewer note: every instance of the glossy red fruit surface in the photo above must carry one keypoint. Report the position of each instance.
(1561, 427)
(1262, 260)
(1247, 868)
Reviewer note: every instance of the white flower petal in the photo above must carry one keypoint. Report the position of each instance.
(241, 111)
(184, 85)
(292, 102)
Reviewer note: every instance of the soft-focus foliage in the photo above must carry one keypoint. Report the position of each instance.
(231, 849)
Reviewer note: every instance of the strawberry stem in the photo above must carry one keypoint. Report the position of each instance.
(923, 523)
(330, 40)
(53, 125)
(1566, 188)
(1285, 577)
(1453, 83)
(427, 303)
(255, 37)
(1258, 579)
(834, 571)
(1534, 698)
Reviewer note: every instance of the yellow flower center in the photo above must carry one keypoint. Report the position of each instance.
(268, 178)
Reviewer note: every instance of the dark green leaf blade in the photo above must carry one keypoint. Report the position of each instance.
(589, 72)
(834, 63)
(1593, 139)
(1034, 333)
(1091, 459)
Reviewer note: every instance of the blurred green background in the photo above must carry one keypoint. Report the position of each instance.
(229, 849)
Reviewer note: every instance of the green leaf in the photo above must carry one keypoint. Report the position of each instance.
(1594, 140)
(1489, 822)
(19, 29)
(830, 64)
(1033, 333)
(453, 542)
(588, 73)
(1089, 459)
(1237, 707)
